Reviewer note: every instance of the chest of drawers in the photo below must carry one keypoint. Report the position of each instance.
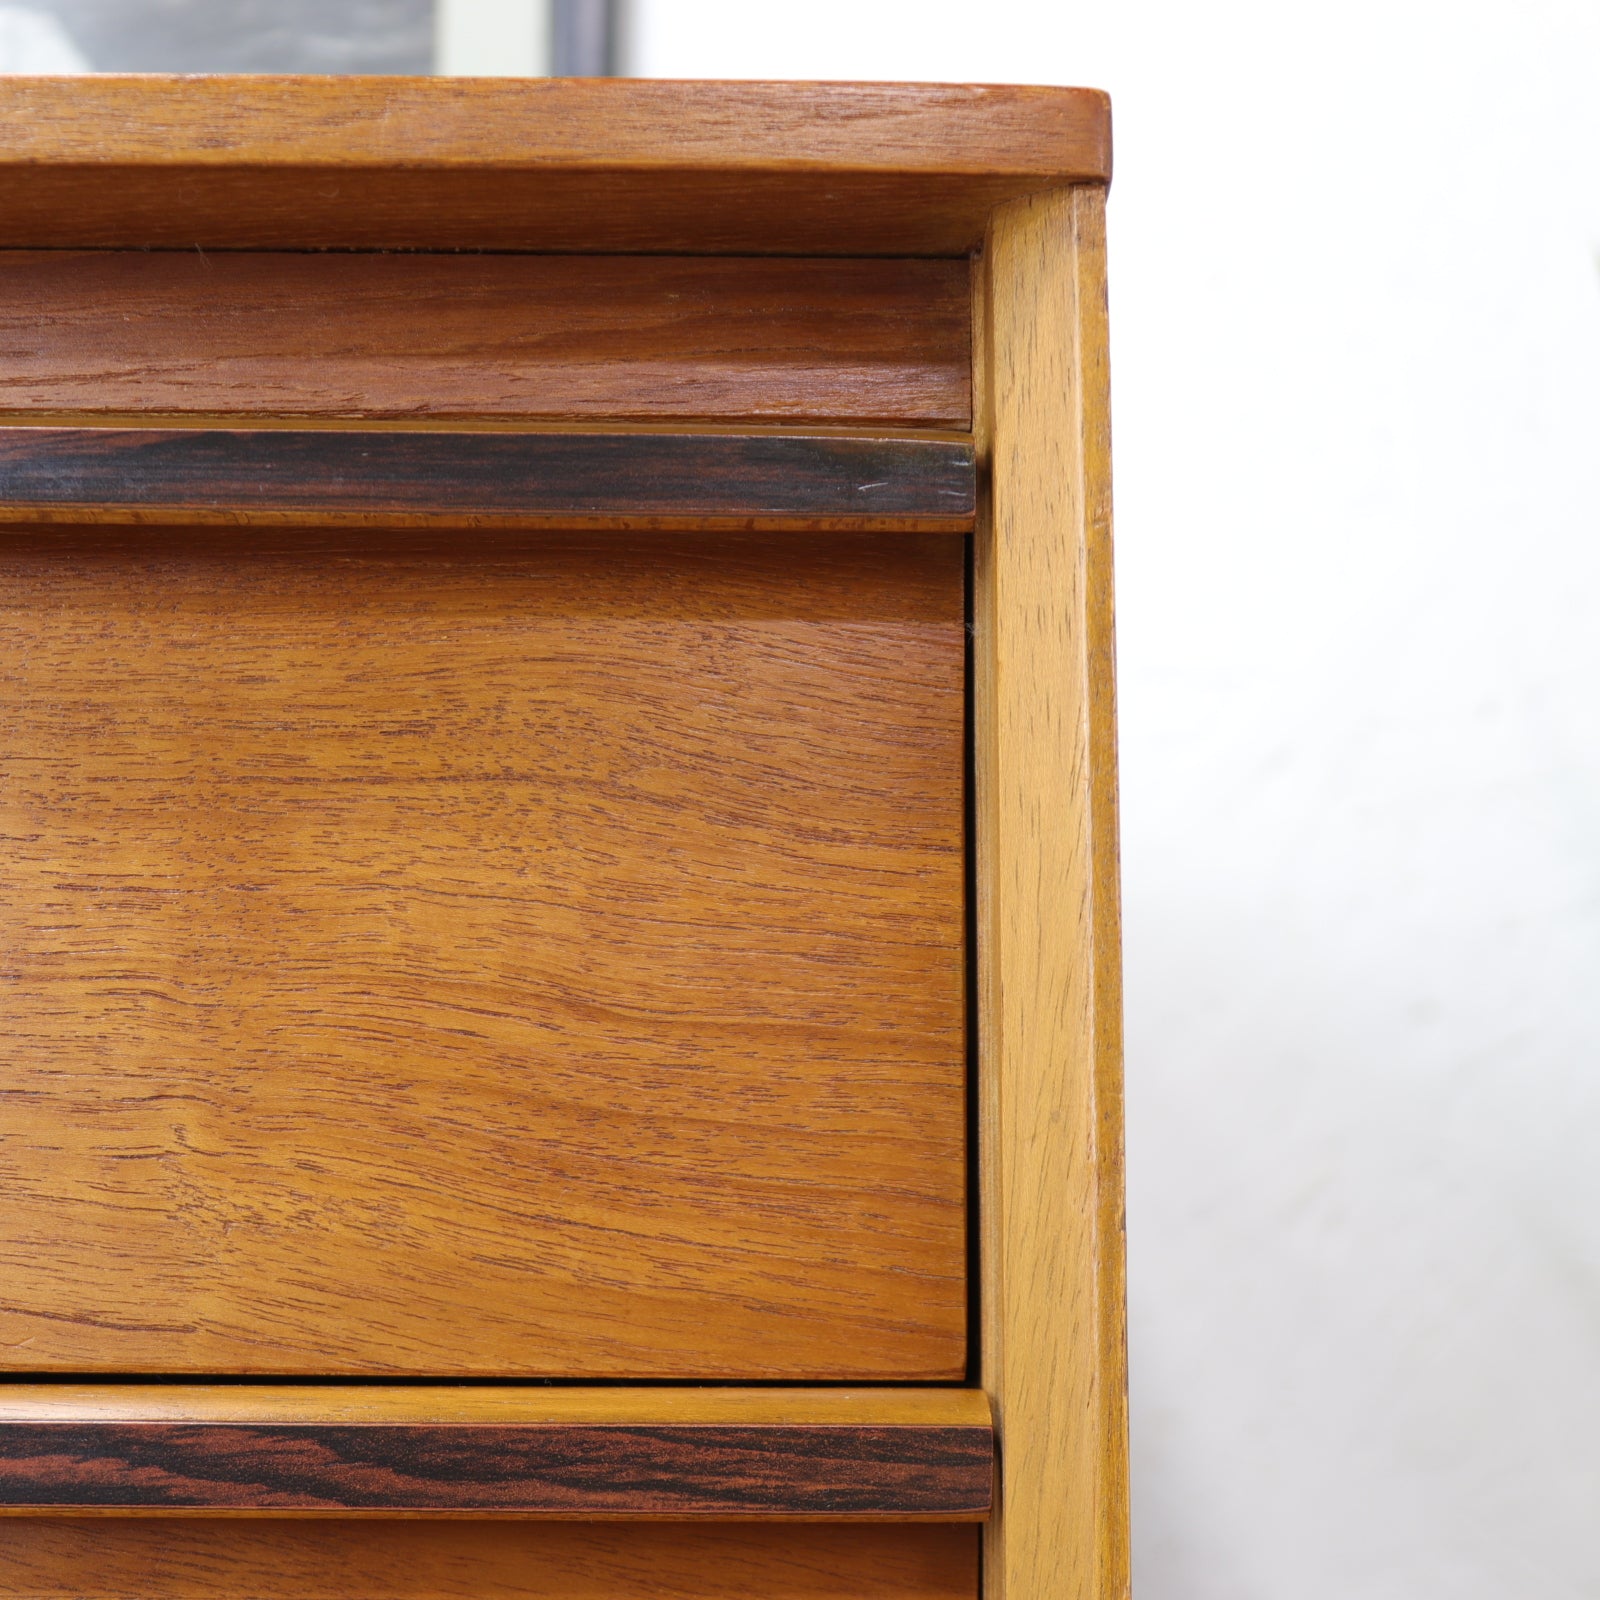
(557, 842)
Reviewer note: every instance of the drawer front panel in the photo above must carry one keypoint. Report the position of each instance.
(121, 1559)
(241, 333)
(482, 954)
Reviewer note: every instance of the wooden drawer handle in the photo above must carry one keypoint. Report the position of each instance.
(924, 1455)
(571, 479)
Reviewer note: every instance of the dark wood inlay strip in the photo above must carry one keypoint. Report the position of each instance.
(937, 1472)
(870, 482)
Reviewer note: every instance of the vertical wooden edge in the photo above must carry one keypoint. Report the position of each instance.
(1108, 1058)
(990, 1228)
(1053, 1353)
(986, 1357)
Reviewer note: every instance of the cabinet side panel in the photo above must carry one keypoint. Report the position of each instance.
(1048, 935)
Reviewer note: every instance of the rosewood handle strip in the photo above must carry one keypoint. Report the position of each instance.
(574, 479)
(935, 1473)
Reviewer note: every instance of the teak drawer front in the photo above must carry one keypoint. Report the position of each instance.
(481, 953)
(120, 1559)
(417, 336)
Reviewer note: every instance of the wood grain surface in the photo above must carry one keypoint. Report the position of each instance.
(564, 478)
(1049, 946)
(623, 1450)
(317, 1559)
(563, 1470)
(407, 336)
(552, 165)
(512, 954)
(499, 1405)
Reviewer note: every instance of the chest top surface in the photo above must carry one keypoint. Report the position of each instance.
(564, 165)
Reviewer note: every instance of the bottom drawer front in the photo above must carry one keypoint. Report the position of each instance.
(130, 1559)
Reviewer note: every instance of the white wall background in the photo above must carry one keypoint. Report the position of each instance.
(1356, 306)
(491, 38)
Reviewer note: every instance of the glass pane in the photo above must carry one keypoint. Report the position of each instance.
(519, 38)
(217, 36)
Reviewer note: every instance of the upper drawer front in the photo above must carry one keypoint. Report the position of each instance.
(482, 953)
(502, 337)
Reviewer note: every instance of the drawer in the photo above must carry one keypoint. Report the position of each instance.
(480, 952)
(335, 1560)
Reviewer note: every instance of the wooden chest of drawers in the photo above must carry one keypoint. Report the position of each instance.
(557, 842)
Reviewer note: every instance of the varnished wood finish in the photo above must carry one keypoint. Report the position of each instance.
(565, 478)
(615, 1453)
(409, 336)
(315, 1559)
(1049, 1016)
(571, 1471)
(518, 954)
(554, 165)
(619, 1452)
(499, 1405)
(720, 1138)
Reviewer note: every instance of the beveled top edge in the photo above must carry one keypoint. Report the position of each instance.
(1039, 136)
(619, 1405)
